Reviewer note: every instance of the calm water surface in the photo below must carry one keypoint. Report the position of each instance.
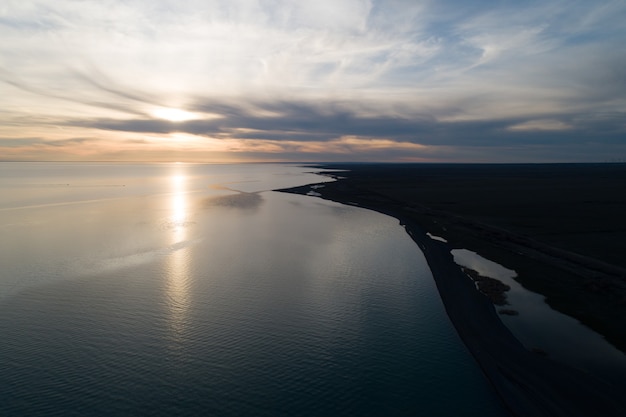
(562, 337)
(173, 289)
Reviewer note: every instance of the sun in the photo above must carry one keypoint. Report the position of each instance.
(173, 114)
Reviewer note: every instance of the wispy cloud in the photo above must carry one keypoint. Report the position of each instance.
(369, 79)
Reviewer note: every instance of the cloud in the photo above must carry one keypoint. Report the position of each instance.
(545, 125)
(395, 72)
(319, 121)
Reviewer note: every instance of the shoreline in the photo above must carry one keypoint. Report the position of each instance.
(528, 383)
(560, 227)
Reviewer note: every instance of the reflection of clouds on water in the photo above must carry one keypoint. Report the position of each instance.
(222, 186)
(218, 187)
(134, 259)
(244, 201)
(483, 266)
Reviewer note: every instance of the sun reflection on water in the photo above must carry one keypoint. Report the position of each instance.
(178, 208)
(177, 268)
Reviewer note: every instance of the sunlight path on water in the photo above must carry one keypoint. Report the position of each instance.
(177, 266)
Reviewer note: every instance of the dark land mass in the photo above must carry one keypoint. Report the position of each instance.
(561, 227)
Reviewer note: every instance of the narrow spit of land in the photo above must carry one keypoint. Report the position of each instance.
(560, 226)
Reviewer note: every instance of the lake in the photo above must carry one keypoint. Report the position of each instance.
(190, 289)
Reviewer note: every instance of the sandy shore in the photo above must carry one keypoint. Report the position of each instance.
(528, 383)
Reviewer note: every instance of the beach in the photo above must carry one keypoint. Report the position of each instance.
(558, 226)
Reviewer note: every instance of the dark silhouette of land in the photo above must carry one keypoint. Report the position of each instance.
(561, 227)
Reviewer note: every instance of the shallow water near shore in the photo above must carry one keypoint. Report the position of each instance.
(174, 289)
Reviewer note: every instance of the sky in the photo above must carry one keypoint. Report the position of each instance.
(323, 80)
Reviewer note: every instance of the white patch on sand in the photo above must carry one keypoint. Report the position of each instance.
(437, 238)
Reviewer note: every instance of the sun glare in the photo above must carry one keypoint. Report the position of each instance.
(174, 115)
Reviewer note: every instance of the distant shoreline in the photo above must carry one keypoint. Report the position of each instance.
(528, 383)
